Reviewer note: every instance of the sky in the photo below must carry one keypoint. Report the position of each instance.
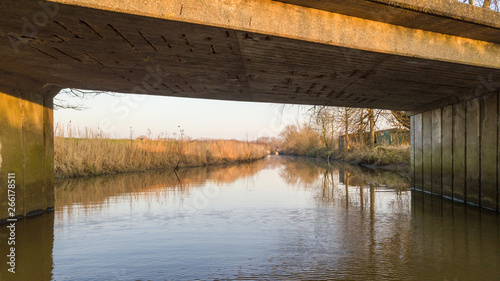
(199, 118)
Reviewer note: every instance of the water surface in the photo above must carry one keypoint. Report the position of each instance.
(277, 219)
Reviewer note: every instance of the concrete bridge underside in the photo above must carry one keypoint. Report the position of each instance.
(413, 55)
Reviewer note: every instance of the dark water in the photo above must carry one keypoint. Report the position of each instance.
(276, 219)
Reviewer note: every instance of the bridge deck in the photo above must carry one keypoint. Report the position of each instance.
(254, 50)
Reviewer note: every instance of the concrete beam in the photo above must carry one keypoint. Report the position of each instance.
(441, 16)
(312, 25)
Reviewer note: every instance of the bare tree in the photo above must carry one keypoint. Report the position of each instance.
(76, 94)
(402, 120)
(325, 120)
(486, 4)
(371, 119)
(346, 119)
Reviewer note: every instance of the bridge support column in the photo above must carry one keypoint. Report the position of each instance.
(455, 151)
(26, 146)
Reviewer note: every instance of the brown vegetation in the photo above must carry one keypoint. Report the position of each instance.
(93, 154)
(348, 134)
(380, 156)
(299, 140)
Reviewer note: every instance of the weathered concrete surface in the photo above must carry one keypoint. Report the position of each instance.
(252, 50)
(446, 164)
(436, 151)
(26, 140)
(48, 139)
(464, 151)
(419, 180)
(427, 150)
(441, 16)
(412, 155)
(11, 150)
(489, 151)
(459, 159)
(472, 151)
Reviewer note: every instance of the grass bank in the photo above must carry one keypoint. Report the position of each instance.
(386, 157)
(92, 156)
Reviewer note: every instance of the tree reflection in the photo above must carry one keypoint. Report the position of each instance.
(361, 226)
(303, 173)
(350, 184)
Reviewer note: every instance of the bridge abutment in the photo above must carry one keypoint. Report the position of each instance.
(455, 151)
(26, 146)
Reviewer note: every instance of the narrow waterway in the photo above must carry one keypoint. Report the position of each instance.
(280, 218)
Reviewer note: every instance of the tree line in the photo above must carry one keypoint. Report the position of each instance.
(328, 128)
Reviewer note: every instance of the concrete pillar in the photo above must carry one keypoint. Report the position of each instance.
(427, 150)
(436, 151)
(26, 145)
(447, 152)
(412, 156)
(472, 151)
(459, 134)
(456, 151)
(489, 139)
(418, 168)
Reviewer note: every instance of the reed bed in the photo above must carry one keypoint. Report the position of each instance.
(91, 153)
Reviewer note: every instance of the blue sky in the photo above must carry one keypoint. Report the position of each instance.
(197, 117)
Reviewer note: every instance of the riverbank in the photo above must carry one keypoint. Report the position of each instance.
(84, 157)
(381, 157)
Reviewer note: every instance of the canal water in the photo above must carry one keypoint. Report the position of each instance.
(277, 219)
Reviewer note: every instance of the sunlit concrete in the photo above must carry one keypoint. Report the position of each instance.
(27, 148)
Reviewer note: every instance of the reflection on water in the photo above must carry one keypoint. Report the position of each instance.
(95, 192)
(280, 218)
(33, 249)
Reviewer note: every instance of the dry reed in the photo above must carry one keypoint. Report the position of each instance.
(89, 153)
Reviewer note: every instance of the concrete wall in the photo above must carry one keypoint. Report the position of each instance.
(26, 148)
(455, 151)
